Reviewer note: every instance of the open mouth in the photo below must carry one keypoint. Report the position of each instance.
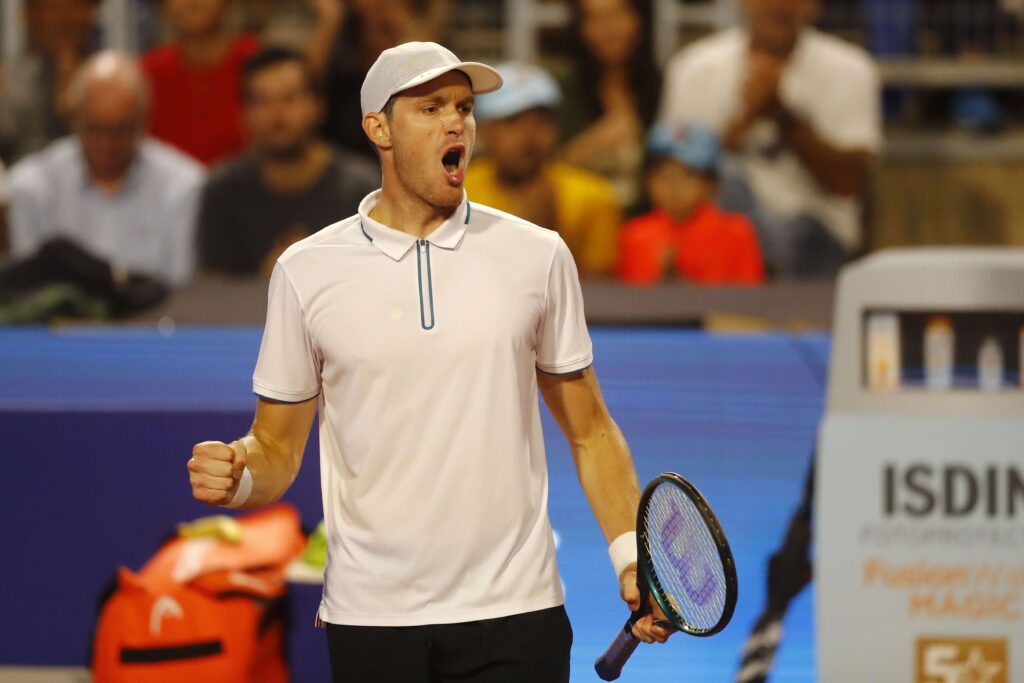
(452, 163)
(451, 160)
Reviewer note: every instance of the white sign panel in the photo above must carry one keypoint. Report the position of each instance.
(919, 544)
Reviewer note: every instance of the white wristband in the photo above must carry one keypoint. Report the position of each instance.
(243, 490)
(622, 552)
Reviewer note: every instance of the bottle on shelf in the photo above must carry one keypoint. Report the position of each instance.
(883, 356)
(939, 353)
(990, 365)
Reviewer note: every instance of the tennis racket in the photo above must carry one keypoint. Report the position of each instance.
(683, 562)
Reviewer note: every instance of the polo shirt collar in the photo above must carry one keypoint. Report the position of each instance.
(397, 244)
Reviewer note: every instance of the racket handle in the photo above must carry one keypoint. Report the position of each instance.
(609, 665)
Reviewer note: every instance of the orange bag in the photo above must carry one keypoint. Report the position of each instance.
(222, 622)
(271, 537)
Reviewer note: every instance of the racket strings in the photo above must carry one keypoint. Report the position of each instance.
(684, 559)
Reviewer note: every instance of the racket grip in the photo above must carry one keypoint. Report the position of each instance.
(609, 665)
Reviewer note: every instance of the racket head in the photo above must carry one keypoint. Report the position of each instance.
(685, 561)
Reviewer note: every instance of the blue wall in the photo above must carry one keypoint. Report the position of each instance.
(97, 425)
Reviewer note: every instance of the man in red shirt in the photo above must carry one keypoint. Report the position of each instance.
(195, 80)
(687, 236)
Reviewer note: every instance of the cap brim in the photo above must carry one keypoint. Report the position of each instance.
(483, 79)
(510, 106)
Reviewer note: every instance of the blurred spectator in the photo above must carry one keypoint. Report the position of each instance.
(519, 130)
(126, 199)
(889, 26)
(195, 81)
(971, 31)
(612, 95)
(348, 37)
(33, 87)
(284, 23)
(289, 185)
(968, 31)
(800, 112)
(687, 235)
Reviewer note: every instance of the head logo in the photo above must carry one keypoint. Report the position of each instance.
(951, 660)
(165, 606)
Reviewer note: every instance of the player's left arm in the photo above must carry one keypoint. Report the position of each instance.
(604, 466)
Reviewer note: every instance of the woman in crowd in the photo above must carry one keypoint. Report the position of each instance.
(613, 94)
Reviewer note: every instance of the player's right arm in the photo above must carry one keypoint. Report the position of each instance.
(271, 451)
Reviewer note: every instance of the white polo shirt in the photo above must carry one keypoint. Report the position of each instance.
(831, 84)
(424, 354)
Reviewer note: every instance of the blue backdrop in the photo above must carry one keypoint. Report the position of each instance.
(97, 425)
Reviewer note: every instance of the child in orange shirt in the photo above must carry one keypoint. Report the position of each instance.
(687, 236)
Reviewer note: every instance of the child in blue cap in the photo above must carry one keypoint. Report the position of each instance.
(686, 235)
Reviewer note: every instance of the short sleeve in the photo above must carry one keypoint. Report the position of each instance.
(287, 369)
(699, 88)
(682, 80)
(563, 344)
(852, 116)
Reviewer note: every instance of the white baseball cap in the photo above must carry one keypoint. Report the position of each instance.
(405, 66)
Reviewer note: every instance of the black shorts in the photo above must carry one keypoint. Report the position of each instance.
(531, 647)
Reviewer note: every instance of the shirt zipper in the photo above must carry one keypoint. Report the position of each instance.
(425, 284)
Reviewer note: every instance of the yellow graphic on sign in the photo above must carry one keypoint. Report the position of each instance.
(949, 660)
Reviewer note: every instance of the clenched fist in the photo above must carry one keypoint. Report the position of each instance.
(215, 470)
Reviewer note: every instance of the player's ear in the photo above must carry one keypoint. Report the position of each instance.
(375, 125)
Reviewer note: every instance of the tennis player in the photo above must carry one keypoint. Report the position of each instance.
(422, 327)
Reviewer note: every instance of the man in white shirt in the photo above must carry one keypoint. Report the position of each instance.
(422, 328)
(799, 111)
(125, 198)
